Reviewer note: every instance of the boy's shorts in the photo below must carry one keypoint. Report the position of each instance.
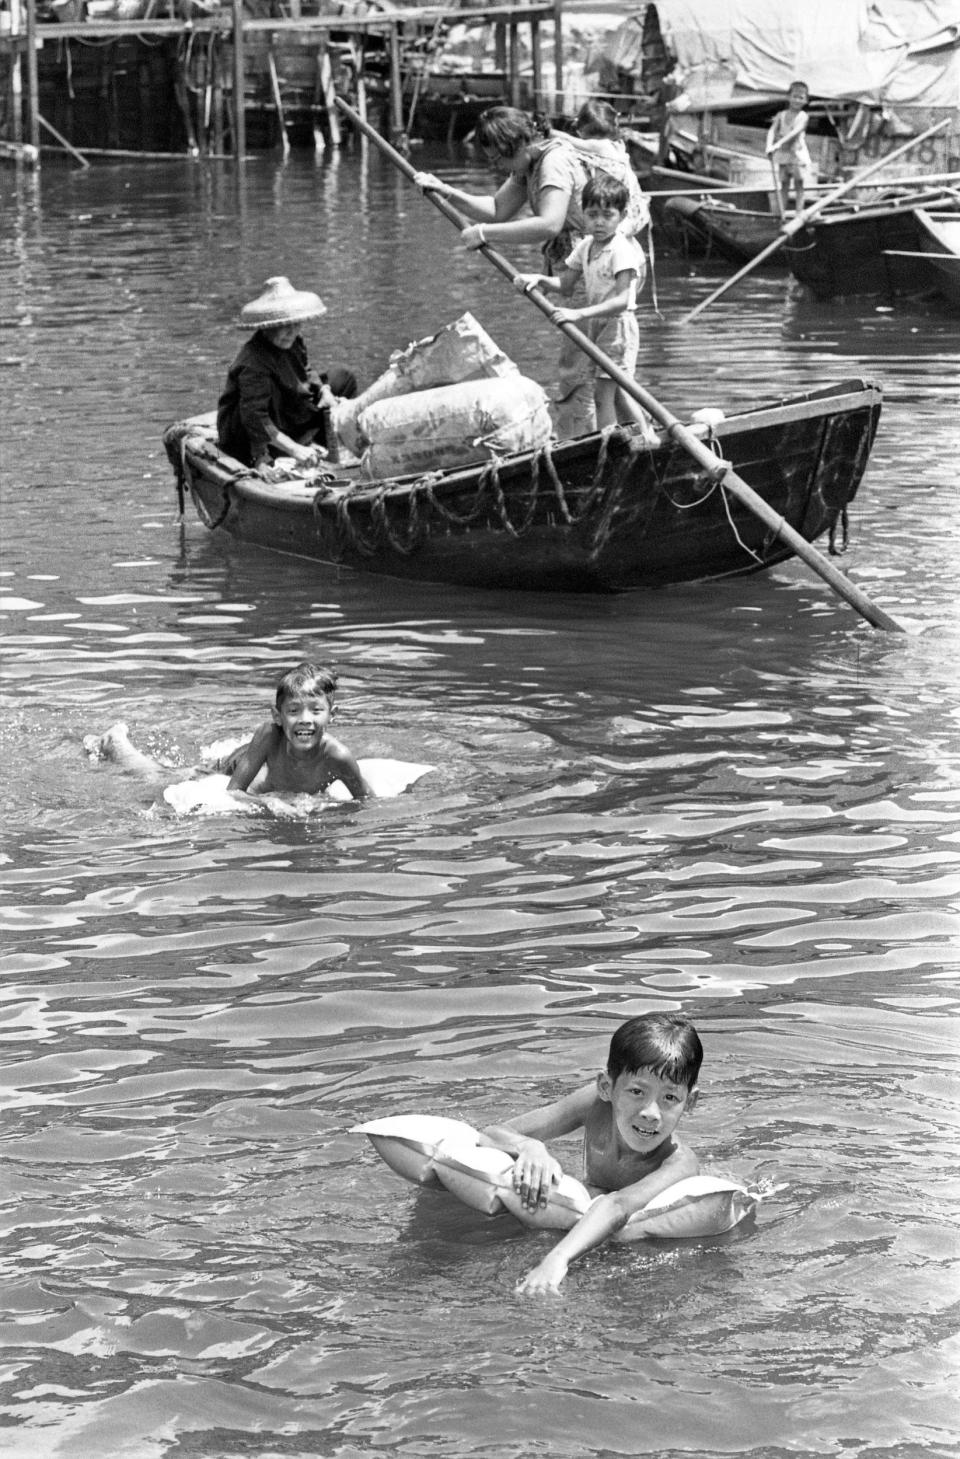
(619, 338)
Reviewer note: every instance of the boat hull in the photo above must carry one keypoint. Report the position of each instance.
(602, 513)
(736, 234)
(940, 241)
(872, 252)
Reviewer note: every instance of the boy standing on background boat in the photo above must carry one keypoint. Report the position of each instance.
(787, 144)
(613, 268)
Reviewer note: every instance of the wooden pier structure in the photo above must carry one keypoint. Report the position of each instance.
(150, 85)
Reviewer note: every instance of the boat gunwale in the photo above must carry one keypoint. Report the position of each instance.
(204, 455)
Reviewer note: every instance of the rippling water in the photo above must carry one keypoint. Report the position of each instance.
(736, 799)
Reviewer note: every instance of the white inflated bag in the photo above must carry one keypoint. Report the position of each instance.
(453, 425)
(460, 351)
(431, 1150)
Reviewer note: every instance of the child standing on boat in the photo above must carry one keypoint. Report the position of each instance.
(629, 1118)
(613, 269)
(274, 403)
(787, 145)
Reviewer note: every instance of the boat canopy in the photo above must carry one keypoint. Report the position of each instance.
(876, 52)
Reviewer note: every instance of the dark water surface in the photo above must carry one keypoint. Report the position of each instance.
(735, 799)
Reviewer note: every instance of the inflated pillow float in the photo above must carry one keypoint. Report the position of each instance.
(430, 1150)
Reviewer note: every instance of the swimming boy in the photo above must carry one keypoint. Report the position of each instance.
(613, 268)
(629, 1118)
(292, 753)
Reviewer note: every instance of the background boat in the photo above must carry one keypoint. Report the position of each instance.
(877, 249)
(715, 227)
(939, 237)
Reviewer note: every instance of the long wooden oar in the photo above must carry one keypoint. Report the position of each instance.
(722, 472)
(802, 219)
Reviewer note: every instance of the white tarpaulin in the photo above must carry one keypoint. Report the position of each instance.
(892, 52)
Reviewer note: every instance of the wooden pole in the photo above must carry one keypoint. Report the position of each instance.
(396, 83)
(536, 65)
(722, 472)
(803, 218)
(16, 75)
(68, 146)
(558, 56)
(33, 84)
(328, 92)
(513, 62)
(239, 85)
(278, 102)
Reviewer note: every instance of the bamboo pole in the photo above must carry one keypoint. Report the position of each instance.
(802, 219)
(239, 85)
(721, 471)
(68, 146)
(278, 102)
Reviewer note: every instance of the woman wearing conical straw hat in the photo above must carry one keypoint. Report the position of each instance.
(274, 402)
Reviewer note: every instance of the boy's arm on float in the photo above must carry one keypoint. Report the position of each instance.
(608, 1214)
(253, 757)
(536, 1170)
(347, 770)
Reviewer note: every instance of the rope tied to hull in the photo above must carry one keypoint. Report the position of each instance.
(490, 504)
(212, 523)
(840, 519)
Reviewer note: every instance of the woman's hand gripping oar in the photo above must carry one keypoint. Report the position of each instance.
(722, 471)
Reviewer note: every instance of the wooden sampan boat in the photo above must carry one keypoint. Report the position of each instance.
(875, 249)
(604, 512)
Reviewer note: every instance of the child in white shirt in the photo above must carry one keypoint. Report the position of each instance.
(613, 270)
(787, 145)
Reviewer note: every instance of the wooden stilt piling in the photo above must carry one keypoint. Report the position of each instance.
(396, 82)
(329, 94)
(513, 62)
(210, 101)
(239, 83)
(33, 84)
(16, 77)
(536, 65)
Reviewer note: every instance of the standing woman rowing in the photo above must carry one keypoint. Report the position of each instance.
(544, 173)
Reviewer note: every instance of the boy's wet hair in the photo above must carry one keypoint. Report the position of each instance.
(667, 1043)
(597, 119)
(799, 86)
(604, 191)
(306, 677)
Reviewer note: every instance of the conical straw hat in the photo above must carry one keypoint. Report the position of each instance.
(281, 303)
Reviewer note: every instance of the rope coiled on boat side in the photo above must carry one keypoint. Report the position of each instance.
(388, 506)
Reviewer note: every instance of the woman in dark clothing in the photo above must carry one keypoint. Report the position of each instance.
(274, 403)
